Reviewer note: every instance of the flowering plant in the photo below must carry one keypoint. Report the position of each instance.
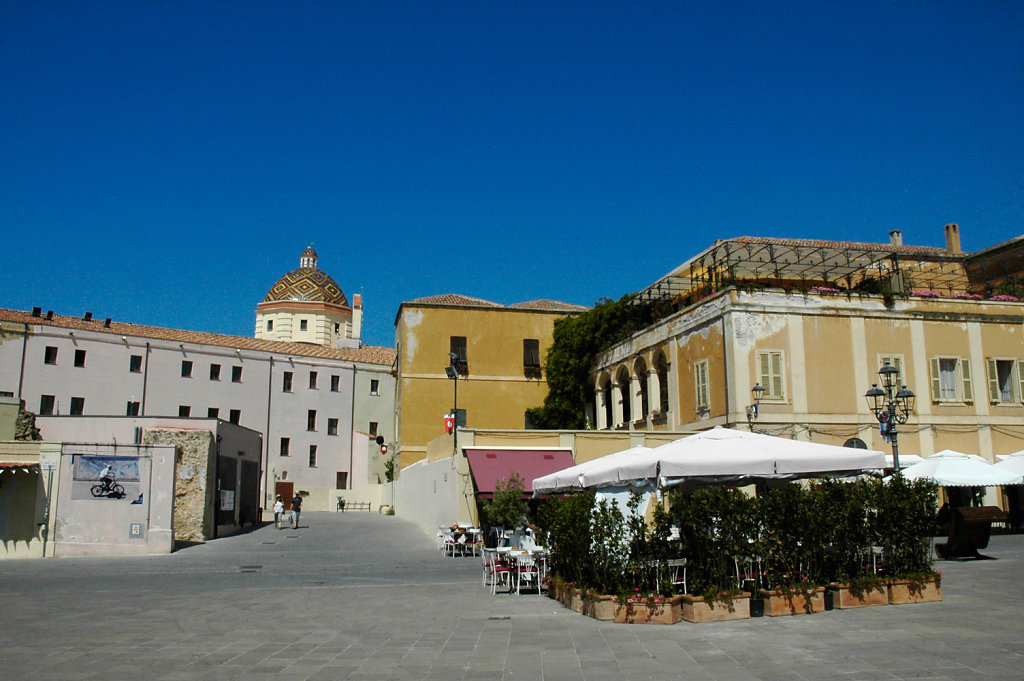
(969, 296)
(926, 294)
(824, 289)
(1005, 298)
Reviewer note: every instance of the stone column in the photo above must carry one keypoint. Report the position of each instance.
(600, 397)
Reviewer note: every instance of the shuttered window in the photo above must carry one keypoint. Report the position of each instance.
(700, 382)
(770, 370)
(951, 379)
(1005, 380)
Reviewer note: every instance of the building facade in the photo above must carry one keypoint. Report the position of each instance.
(498, 352)
(811, 323)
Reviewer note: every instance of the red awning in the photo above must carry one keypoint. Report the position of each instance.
(489, 465)
(15, 466)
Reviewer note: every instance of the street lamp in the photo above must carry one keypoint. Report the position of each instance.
(452, 372)
(890, 406)
(756, 392)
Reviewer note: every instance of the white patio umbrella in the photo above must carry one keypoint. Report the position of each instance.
(725, 455)
(905, 460)
(608, 471)
(955, 469)
(1013, 463)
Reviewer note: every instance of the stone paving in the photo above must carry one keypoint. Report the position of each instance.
(366, 596)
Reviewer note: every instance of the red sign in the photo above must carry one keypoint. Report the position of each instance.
(449, 423)
(383, 449)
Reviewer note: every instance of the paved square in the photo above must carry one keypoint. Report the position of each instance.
(365, 596)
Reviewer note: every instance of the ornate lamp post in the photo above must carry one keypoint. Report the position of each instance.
(756, 392)
(890, 406)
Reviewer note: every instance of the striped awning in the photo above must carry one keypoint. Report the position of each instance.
(19, 466)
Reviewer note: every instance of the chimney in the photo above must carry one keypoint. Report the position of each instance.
(895, 238)
(953, 238)
(37, 311)
(106, 323)
(49, 315)
(88, 316)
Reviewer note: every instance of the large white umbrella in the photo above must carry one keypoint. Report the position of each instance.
(905, 460)
(725, 455)
(1013, 463)
(955, 469)
(607, 471)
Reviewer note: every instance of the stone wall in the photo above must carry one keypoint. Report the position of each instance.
(193, 490)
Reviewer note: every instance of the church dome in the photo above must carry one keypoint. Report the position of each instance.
(308, 283)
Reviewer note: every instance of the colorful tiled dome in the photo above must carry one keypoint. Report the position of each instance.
(307, 283)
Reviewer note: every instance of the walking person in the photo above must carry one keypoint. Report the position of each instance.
(278, 511)
(296, 507)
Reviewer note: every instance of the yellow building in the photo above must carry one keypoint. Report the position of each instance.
(498, 353)
(811, 323)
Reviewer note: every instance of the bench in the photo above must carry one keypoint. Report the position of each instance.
(969, 530)
(344, 505)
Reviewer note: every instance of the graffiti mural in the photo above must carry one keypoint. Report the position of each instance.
(105, 477)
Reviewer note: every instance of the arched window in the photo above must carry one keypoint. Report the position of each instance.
(661, 366)
(625, 391)
(641, 376)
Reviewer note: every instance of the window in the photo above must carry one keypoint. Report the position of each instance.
(286, 446)
(235, 416)
(236, 374)
(270, 325)
(1005, 380)
(770, 372)
(893, 361)
(341, 481)
(212, 412)
(312, 456)
(335, 383)
(661, 365)
(79, 358)
(700, 384)
(373, 429)
(531, 353)
(303, 325)
(214, 372)
(135, 364)
(184, 411)
(46, 403)
(312, 380)
(951, 379)
(458, 348)
(132, 409)
(286, 384)
(50, 355)
(77, 406)
(332, 426)
(311, 419)
(374, 386)
(186, 369)
(337, 327)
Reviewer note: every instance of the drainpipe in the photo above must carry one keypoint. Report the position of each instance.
(24, 349)
(265, 449)
(145, 378)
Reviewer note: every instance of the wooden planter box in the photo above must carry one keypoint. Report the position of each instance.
(695, 609)
(668, 611)
(843, 599)
(777, 603)
(903, 591)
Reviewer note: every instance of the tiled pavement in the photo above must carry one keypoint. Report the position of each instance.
(365, 596)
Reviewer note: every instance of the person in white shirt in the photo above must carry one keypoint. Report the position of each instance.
(107, 476)
(278, 512)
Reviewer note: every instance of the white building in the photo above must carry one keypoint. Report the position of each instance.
(314, 404)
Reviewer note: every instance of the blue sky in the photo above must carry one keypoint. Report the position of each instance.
(165, 162)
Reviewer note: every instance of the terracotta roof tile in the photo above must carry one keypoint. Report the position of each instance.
(458, 300)
(549, 306)
(369, 354)
(818, 243)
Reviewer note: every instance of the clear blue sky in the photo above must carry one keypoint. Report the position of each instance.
(165, 162)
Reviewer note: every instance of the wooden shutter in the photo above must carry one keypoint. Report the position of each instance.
(965, 371)
(776, 375)
(766, 373)
(993, 380)
(1020, 380)
(936, 380)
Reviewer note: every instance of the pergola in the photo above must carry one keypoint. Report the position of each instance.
(839, 264)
